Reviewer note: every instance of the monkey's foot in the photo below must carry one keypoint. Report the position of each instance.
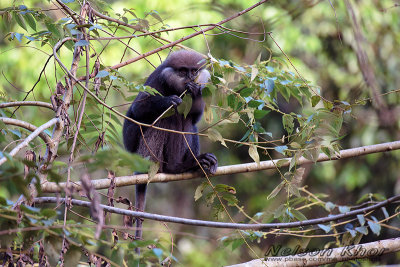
(208, 162)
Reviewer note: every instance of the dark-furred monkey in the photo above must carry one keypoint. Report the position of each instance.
(182, 70)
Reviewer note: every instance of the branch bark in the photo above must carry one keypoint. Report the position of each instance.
(30, 138)
(26, 103)
(329, 256)
(26, 125)
(241, 226)
(122, 64)
(50, 187)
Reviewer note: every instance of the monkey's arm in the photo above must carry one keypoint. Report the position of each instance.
(146, 108)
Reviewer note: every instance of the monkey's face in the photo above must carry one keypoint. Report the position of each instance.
(189, 74)
(177, 78)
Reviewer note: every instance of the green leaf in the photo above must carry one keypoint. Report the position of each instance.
(237, 243)
(19, 19)
(281, 162)
(276, 190)
(352, 232)
(199, 190)
(362, 229)
(214, 135)
(315, 100)
(208, 114)
(53, 29)
(298, 215)
(254, 73)
(361, 219)
(258, 128)
(281, 149)
(225, 188)
(48, 213)
(187, 101)
(18, 35)
(102, 73)
(256, 104)
(329, 206)
(344, 209)
(326, 228)
(81, 43)
(29, 209)
(246, 92)
(375, 226)
(260, 113)
(385, 212)
(328, 105)
(30, 20)
(288, 123)
(254, 154)
(153, 169)
(155, 15)
(232, 101)
(158, 252)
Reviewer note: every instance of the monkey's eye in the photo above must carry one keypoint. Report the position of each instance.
(182, 72)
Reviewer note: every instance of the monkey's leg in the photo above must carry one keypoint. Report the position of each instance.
(140, 201)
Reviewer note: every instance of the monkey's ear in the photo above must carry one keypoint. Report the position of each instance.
(203, 78)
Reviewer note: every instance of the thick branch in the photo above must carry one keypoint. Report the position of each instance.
(26, 103)
(26, 125)
(225, 170)
(30, 138)
(241, 226)
(328, 256)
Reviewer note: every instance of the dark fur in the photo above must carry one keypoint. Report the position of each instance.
(169, 149)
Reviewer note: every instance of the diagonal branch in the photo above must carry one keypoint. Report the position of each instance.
(30, 138)
(225, 170)
(122, 64)
(26, 125)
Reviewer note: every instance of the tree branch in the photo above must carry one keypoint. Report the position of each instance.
(225, 170)
(26, 125)
(30, 138)
(241, 226)
(122, 64)
(26, 103)
(329, 256)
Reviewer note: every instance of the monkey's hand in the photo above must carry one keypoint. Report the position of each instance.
(208, 162)
(173, 100)
(193, 88)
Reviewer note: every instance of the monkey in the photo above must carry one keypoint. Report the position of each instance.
(182, 71)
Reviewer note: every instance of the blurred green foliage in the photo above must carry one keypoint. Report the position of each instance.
(257, 96)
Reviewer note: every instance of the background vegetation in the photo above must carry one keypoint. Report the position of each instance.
(334, 73)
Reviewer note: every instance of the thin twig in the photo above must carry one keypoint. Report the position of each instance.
(30, 138)
(171, 44)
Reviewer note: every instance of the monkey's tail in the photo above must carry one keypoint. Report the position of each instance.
(140, 202)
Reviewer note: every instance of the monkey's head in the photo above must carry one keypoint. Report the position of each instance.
(180, 68)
